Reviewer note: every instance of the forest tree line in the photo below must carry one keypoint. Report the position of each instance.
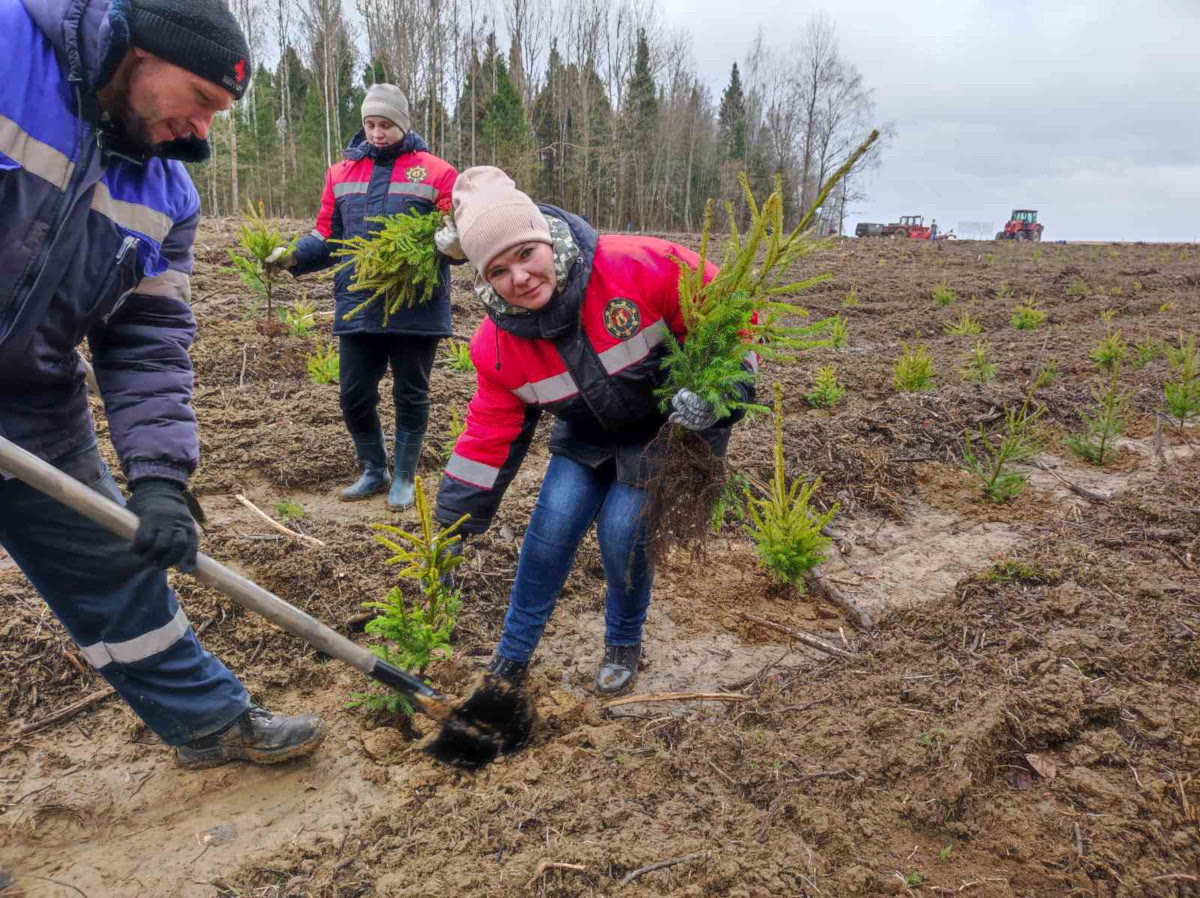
(590, 105)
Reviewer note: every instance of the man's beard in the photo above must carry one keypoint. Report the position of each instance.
(130, 128)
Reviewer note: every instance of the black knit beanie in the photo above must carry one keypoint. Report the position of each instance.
(201, 36)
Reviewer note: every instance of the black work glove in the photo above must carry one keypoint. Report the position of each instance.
(166, 534)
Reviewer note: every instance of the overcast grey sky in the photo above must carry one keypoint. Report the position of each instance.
(1086, 110)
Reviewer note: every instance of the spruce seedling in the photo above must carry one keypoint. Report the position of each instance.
(994, 463)
(415, 631)
(977, 368)
(851, 299)
(943, 295)
(289, 510)
(838, 333)
(785, 528)
(1183, 393)
(1027, 316)
(324, 365)
(1110, 352)
(913, 372)
(459, 356)
(1046, 374)
(1145, 353)
(300, 319)
(257, 237)
(965, 326)
(826, 390)
(398, 264)
(1078, 287)
(1094, 444)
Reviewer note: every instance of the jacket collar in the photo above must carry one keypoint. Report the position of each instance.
(358, 148)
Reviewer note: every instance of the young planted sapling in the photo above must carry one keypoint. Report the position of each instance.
(826, 390)
(324, 365)
(1183, 394)
(1094, 443)
(786, 529)
(257, 238)
(913, 371)
(415, 630)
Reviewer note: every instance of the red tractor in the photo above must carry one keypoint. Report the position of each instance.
(910, 227)
(1022, 226)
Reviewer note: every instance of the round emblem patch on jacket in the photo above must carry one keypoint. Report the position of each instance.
(416, 174)
(622, 318)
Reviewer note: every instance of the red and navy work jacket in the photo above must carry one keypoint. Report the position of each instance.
(591, 357)
(370, 182)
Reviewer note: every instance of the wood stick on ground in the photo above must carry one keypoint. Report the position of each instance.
(549, 865)
(302, 538)
(676, 697)
(811, 641)
(861, 619)
(1158, 442)
(66, 713)
(1090, 495)
(662, 865)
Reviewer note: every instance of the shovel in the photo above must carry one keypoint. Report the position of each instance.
(496, 717)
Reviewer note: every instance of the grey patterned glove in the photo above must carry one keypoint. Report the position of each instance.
(454, 550)
(690, 411)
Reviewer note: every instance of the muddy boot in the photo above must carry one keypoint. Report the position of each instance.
(257, 736)
(408, 453)
(619, 671)
(372, 456)
(503, 668)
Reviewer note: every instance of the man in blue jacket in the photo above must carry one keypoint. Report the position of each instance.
(100, 102)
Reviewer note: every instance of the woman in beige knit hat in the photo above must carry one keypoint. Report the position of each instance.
(387, 170)
(577, 325)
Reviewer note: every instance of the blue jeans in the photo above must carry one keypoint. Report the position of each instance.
(122, 614)
(571, 498)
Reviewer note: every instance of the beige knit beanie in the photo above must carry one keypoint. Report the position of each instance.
(389, 102)
(491, 215)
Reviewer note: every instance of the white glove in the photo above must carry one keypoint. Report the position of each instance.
(281, 257)
(446, 238)
(692, 412)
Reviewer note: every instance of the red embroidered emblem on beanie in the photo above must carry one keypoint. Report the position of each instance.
(239, 71)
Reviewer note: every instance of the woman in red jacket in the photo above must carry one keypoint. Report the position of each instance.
(576, 326)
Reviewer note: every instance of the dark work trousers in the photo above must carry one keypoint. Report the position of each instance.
(364, 360)
(121, 612)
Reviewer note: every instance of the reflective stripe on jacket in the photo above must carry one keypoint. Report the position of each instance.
(95, 243)
(591, 357)
(370, 182)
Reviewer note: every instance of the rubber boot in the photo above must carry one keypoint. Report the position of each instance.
(257, 736)
(619, 670)
(408, 453)
(372, 457)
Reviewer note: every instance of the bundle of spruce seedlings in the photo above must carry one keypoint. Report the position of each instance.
(740, 310)
(397, 264)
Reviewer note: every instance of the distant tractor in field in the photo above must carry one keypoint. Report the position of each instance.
(1022, 226)
(910, 227)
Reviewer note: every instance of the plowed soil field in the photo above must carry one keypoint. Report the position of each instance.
(1023, 719)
